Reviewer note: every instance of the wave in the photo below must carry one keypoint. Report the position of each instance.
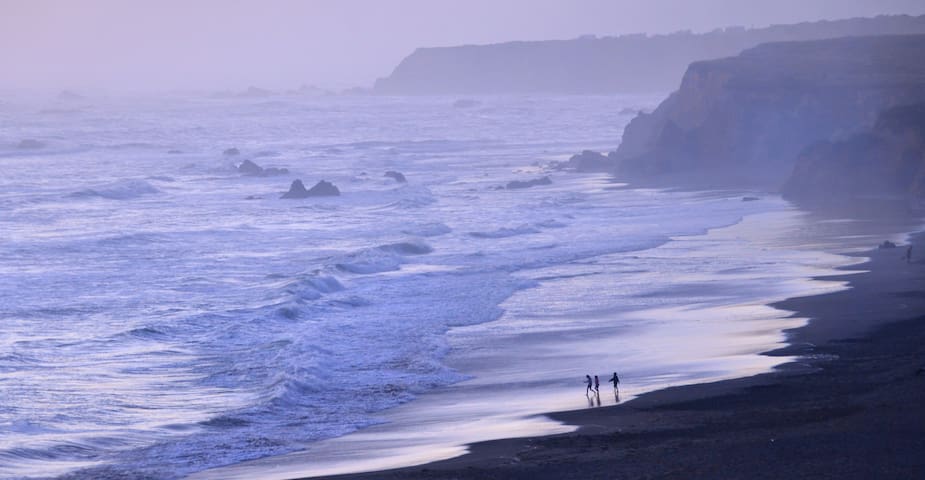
(383, 258)
(121, 190)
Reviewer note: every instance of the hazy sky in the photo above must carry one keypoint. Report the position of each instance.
(230, 44)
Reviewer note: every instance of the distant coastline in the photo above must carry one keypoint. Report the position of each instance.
(602, 65)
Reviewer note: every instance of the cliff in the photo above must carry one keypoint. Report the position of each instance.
(743, 120)
(883, 165)
(591, 65)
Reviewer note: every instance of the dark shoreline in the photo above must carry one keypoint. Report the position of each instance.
(850, 406)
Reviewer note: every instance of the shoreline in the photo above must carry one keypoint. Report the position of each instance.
(872, 328)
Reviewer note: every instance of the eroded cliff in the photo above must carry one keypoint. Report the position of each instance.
(743, 120)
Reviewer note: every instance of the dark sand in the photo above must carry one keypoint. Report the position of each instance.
(852, 405)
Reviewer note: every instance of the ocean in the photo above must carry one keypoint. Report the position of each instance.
(164, 314)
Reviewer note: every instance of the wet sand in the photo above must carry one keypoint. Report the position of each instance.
(851, 406)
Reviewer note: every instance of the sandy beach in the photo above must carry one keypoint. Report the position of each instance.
(849, 407)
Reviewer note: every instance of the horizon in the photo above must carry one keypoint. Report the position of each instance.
(113, 47)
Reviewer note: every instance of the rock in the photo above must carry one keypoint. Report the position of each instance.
(253, 197)
(231, 152)
(398, 176)
(887, 244)
(517, 184)
(590, 161)
(750, 199)
(69, 96)
(321, 189)
(30, 144)
(248, 167)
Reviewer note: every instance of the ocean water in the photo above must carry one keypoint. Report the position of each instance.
(163, 314)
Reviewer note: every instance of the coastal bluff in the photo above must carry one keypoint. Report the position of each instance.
(603, 65)
(744, 121)
(885, 164)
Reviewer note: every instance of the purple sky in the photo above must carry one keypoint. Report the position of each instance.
(230, 44)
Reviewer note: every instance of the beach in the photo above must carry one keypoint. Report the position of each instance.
(849, 406)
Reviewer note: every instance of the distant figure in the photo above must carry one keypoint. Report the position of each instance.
(597, 384)
(590, 384)
(909, 254)
(615, 380)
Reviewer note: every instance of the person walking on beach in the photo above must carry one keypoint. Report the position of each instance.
(909, 254)
(597, 384)
(588, 379)
(615, 380)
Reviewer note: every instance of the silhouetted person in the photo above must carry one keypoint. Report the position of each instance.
(909, 254)
(590, 384)
(615, 380)
(597, 384)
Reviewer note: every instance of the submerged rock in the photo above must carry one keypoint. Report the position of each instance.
(231, 152)
(398, 176)
(517, 184)
(30, 144)
(321, 189)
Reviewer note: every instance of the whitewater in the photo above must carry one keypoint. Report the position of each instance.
(163, 314)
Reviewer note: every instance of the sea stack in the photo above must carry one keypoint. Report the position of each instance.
(321, 189)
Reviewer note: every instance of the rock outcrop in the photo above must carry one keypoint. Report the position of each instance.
(321, 189)
(518, 184)
(742, 121)
(591, 65)
(397, 176)
(883, 165)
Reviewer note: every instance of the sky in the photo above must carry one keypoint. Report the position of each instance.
(130, 45)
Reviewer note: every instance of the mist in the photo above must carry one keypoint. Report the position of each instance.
(126, 46)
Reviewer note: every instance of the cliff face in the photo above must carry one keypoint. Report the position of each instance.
(886, 163)
(590, 65)
(743, 120)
